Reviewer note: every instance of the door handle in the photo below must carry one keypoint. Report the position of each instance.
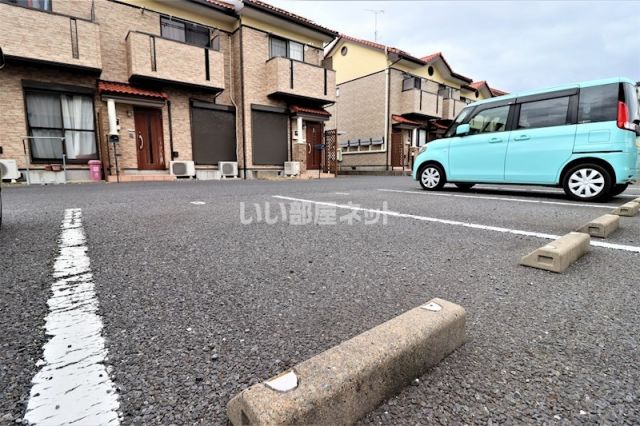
(521, 138)
(141, 139)
(495, 140)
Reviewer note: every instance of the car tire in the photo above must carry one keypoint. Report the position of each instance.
(587, 182)
(465, 186)
(432, 177)
(618, 189)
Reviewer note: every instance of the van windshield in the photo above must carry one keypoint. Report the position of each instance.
(459, 119)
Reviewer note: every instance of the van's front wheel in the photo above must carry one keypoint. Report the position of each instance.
(432, 177)
(587, 182)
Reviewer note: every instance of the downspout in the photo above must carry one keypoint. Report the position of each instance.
(232, 96)
(386, 109)
(170, 129)
(244, 137)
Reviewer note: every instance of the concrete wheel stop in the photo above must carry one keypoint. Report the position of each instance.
(602, 226)
(629, 209)
(346, 382)
(558, 255)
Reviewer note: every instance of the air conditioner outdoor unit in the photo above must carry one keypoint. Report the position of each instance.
(291, 168)
(9, 170)
(228, 169)
(182, 168)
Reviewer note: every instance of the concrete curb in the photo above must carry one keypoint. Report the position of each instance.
(602, 226)
(347, 381)
(629, 209)
(636, 200)
(557, 256)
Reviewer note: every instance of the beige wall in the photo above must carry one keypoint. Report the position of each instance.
(256, 80)
(42, 36)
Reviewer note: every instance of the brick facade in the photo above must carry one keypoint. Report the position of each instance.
(115, 46)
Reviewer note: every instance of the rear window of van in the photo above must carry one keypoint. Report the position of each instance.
(598, 103)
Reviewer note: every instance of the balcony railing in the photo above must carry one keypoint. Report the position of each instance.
(45, 37)
(291, 78)
(452, 108)
(152, 57)
(421, 102)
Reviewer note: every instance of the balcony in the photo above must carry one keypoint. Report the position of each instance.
(421, 102)
(295, 79)
(35, 36)
(153, 58)
(451, 108)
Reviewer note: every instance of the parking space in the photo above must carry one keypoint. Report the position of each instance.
(201, 297)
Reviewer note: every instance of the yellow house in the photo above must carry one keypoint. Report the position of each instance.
(389, 101)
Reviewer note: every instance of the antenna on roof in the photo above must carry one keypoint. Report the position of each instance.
(375, 12)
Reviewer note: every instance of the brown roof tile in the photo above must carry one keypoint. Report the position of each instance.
(111, 87)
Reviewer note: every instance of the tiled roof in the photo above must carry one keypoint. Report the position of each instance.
(288, 15)
(111, 87)
(401, 119)
(478, 84)
(498, 92)
(221, 4)
(439, 55)
(315, 111)
(381, 47)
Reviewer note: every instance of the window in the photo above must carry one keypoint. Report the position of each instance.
(422, 137)
(459, 119)
(430, 70)
(344, 51)
(547, 113)
(186, 32)
(34, 4)
(489, 120)
(296, 51)
(279, 47)
(448, 92)
(411, 83)
(53, 115)
(598, 103)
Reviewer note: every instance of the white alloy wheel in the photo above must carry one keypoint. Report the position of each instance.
(586, 183)
(430, 177)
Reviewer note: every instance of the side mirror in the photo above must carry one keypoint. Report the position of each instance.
(463, 129)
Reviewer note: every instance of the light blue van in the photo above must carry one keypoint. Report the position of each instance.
(583, 137)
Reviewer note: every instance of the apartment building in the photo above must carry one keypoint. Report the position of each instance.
(389, 102)
(137, 84)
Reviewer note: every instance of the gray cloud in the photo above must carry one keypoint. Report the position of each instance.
(512, 45)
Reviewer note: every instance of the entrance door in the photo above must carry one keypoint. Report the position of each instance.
(314, 137)
(149, 139)
(396, 149)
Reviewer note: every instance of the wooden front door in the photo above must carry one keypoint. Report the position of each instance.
(314, 138)
(149, 139)
(396, 149)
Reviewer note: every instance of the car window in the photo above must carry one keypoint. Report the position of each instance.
(459, 119)
(546, 113)
(489, 120)
(598, 103)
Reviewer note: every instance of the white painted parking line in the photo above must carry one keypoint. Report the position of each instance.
(549, 190)
(198, 203)
(488, 197)
(342, 193)
(390, 213)
(73, 385)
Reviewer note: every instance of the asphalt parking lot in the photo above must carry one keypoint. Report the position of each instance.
(198, 305)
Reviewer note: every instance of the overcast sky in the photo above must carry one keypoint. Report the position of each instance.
(512, 45)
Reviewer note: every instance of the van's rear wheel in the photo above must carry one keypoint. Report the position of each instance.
(587, 182)
(432, 177)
